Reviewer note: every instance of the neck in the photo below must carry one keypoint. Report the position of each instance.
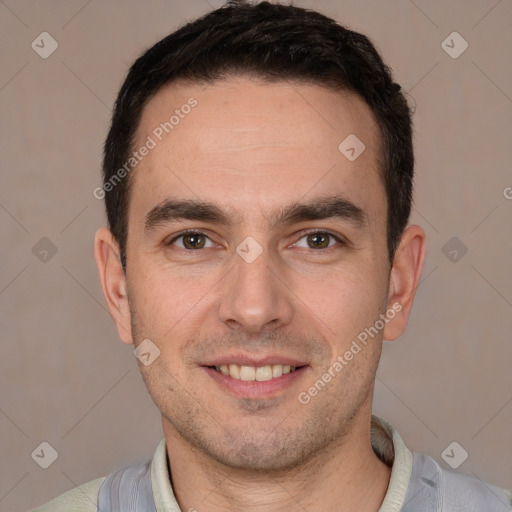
(346, 475)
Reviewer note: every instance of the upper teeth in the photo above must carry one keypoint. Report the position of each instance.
(259, 373)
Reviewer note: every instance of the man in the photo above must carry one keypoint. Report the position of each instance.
(257, 179)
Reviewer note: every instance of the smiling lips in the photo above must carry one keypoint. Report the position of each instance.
(258, 373)
(255, 376)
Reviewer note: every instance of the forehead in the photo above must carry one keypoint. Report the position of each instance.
(252, 146)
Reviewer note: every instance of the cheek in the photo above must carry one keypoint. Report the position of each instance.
(345, 300)
(165, 305)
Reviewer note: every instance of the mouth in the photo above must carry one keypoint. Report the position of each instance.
(256, 378)
(255, 373)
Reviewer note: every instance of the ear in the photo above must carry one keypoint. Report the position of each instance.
(113, 282)
(404, 280)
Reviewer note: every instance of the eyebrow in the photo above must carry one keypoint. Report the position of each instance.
(336, 207)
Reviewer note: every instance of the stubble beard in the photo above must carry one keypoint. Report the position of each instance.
(294, 436)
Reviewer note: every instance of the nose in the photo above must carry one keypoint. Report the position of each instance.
(255, 295)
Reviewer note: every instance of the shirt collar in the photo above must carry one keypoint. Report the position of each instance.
(386, 443)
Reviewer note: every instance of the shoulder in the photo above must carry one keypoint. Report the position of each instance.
(459, 486)
(83, 498)
(452, 489)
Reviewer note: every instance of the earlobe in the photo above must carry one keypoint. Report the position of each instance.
(113, 281)
(404, 279)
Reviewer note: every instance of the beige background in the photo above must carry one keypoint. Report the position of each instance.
(66, 378)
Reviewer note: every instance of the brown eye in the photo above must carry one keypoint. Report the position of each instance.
(318, 240)
(191, 241)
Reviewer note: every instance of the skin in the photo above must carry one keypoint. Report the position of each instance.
(252, 148)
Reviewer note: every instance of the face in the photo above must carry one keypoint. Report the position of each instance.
(255, 246)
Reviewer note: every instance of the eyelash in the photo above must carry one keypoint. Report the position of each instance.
(341, 241)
